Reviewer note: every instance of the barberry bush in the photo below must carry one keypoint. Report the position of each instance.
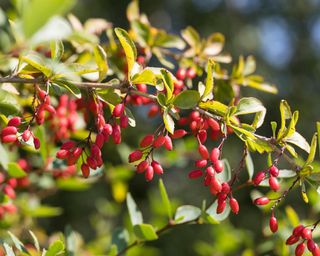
(85, 104)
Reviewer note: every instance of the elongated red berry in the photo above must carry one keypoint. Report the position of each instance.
(149, 173)
(181, 73)
(214, 154)
(159, 141)
(116, 134)
(9, 130)
(92, 162)
(225, 188)
(202, 136)
(201, 163)
(218, 166)
(135, 156)
(14, 121)
(221, 206)
(274, 184)
(203, 151)
(9, 138)
(77, 152)
(300, 249)
(297, 231)
(142, 166)
(36, 143)
(234, 205)
(292, 240)
(68, 145)
(311, 245)
(63, 154)
(210, 171)
(124, 121)
(259, 178)
(107, 129)
(9, 191)
(195, 174)
(214, 125)
(147, 141)
(274, 171)
(306, 233)
(118, 110)
(157, 167)
(273, 224)
(216, 185)
(168, 143)
(99, 140)
(26, 135)
(316, 250)
(261, 200)
(85, 170)
(178, 134)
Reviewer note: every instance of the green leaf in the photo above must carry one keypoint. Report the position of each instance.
(134, 212)
(132, 120)
(43, 211)
(109, 96)
(285, 113)
(8, 103)
(298, 140)
(73, 184)
(100, 57)
(128, 46)
(209, 81)
(187, 213)
(56, 248)
(133, 12)
(313, 149)
(191, 36)
(120, 238)
(38, 62)
(215, 107)
(249, 165)
(292, 125)
(145, 232)
(283, 173)
(187, 99)
(165, 199)
(38, 12)
(165, 40)
(168, 122)
(249, 105)
(18, 244)
(69, 86)
(292, 216)
(57, 50)
(146, 76)
(4, 158)
(274, 128)
(167, 79)
(15, 171)
(224, 176)
(40, 133)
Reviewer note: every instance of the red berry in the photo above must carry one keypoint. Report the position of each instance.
(203, 151)
(85, 170)
(146, 141)
(300, 249)
(142, 166)
(178, 134)
(234, 205)
(99, 140)
(68, 145)
(181, 73)
(159, 141)
(316, 250)
(221, 206)
(15, 121)
(9, 191)
(153, 111)
(273, 224)
(306, 233)
(297, 231)
(116, 134)
(179, 84)
(12, 182)
(36, 143)
(202, 136)
(157, 167)
(124, 121)
(292, 240)
(135, 156)
(195, 174)
(225, 188)
(168, 143)
(50, 109)
(214, 154)
(274, 171)
(262, 200)
(218, 166)
(201, 163)
(107, 129)
(63, 154)
(311, 245)
(259, 178)
(92, 162)
(214, 125)
(215, 185)
(149, 173)
(42, 94)
(118, 110)
(9, 138)
(210, 171)
(274, 184)
(9, 130)
(191, 73)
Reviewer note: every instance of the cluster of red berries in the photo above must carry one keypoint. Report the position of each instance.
(304, 233)
(272, 173)
(181, 75)
(63, 122)
(44, 106)
(10, 133)
(137, 99)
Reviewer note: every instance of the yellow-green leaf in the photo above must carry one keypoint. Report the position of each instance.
(168, 122)
(100, 57)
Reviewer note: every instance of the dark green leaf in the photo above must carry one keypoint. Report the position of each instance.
(187, 99)
(120, 238)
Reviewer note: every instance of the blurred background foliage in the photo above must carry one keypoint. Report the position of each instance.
(284, 36)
